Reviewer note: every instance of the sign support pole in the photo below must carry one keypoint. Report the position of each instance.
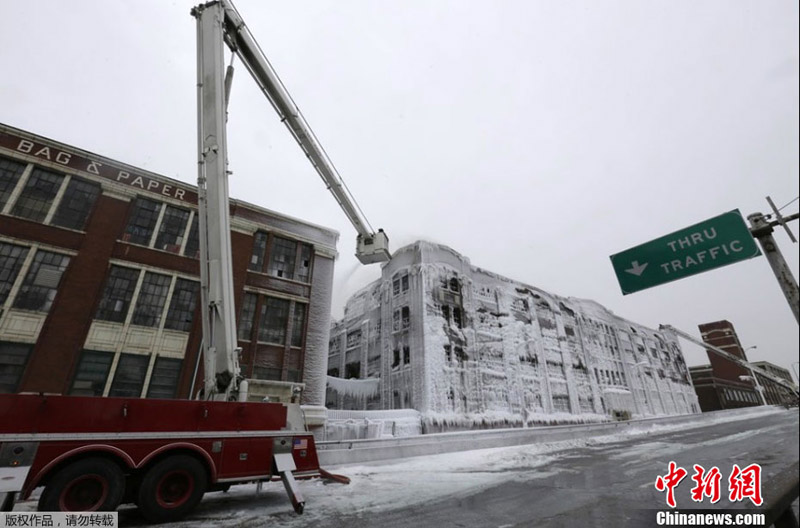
(762, 231)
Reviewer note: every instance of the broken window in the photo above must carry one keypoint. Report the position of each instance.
(274, 318)
(457, 316)
(461, 356)
(117, 295)
(396, 357)
(142, 221)
(406, 318)
(448, 352)
(172, 229)
(247, 316)
(334, 372)
(406, 355)
(569, 330)
(11, 259)
(282, 258)
(41, 282)
(181, 306)
(446, 313)
(352, 370)
(455, 286)
(152, 296)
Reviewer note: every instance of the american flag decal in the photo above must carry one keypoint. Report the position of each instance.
(300, 443)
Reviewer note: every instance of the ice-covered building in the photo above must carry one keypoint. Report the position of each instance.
(468, 347)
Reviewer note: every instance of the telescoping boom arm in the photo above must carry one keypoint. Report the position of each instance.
(218, 22)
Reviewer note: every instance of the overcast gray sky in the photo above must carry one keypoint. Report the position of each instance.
(537, 138)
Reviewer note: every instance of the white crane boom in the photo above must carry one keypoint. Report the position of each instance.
(218, 22)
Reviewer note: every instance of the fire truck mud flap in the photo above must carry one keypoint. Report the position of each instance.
(284, 465)
(16, 459)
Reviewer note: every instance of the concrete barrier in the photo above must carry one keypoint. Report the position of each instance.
(360, 451)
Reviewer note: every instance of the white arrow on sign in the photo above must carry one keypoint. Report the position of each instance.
(636, 269)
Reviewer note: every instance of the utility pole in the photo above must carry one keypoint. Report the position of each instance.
(762, 231)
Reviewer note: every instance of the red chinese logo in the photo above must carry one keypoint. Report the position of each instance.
(707, 483)
(670, 481)
(746, 483)
(742, 483)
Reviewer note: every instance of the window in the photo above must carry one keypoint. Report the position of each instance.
(298, 324)
(172, 229)
(41, 283)
(164, 379)
(13, 357)
(406, 355)
(76, 204)
(37, 195)
(267, 373)
(406, 318)
(396, 286)
(10, 173)
(282, 257)
(129, 377)
(152, 296)
(404, 283)
(561, 404)
(446, 313)
(304, 266)
(448, 352)
(11, 259)
(90, 376)
(117, 296)
(181, 306)
(352, 370)
(192, 249)
(247, 316)
(274, 316)
(353, 339)
(461, 356)
(457, 316)
(333, 372)
(396, 357)
(142, 221)
(259, 247)
(454, 285)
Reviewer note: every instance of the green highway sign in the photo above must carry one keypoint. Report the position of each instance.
(714, 243)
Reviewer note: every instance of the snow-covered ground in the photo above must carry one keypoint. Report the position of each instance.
(405, 483)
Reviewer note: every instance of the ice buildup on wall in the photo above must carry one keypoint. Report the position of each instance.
(470, 348)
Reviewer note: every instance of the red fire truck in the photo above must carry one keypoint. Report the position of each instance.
(92, 454)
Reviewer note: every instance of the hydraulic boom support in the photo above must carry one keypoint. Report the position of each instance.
(218, 22)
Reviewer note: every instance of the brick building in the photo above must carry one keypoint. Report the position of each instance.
(467, 347)
(723, 384)
(99, 281)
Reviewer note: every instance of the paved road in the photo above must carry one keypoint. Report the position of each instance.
(605, 485)
(596, 483)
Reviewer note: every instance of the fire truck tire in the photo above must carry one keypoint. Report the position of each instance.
(172, 488)
(91, 484)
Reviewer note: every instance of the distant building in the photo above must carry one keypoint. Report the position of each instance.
(774, 393)
(99, 281)
(467, 347)
(723, 384)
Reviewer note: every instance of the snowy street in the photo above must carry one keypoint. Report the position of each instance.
(596, 482)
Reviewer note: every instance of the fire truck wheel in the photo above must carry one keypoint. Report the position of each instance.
(91, 484)
(172, 488)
